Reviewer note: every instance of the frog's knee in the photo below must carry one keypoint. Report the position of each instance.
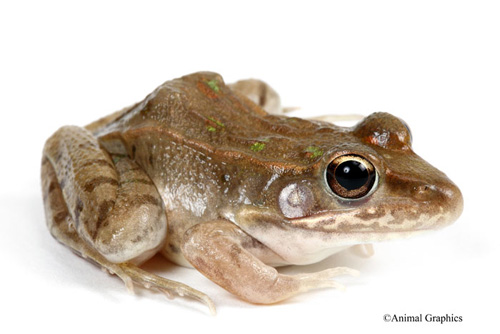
(133, 238)
(135, 224)
(135, 227)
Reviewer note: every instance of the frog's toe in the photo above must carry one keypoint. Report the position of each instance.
(340, 271)
(168, 287)
(334, 272)
(336, 285)
(323, 279)
(129, 284)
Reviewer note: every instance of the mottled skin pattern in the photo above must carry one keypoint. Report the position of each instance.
(200, 172)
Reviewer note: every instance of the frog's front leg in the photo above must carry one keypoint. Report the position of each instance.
(107, 210)
(218, 249)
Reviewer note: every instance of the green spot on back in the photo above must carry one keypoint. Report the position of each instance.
(211, 128)
(216, 121)
(213, 85)
(314, 152)
(257, 147)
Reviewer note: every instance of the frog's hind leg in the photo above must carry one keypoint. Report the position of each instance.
(62, 225)
(113, 204)
(260, 93)
(338, 118)
(268, 99)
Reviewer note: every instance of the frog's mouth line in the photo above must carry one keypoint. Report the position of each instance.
(378, 218)
(312, 238)
(300, 246)
(374, 220)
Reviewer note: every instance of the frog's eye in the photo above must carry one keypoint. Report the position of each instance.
(351, 176)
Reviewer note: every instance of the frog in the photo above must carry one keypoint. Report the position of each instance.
(217, 177)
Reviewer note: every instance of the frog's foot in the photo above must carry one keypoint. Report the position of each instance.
(323, 279)
(217, 250)
(338, 118)
(130, 274)
(62, 227)
(166, 286)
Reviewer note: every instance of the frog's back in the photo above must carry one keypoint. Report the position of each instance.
(200, 111)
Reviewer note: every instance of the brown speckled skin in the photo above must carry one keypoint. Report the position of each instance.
(219, 163)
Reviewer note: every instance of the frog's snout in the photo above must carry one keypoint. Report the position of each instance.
(452, 198)
(445, 198)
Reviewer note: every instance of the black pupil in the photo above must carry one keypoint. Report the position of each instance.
(351, 174)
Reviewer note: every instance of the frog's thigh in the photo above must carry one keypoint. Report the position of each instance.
(260, 93)
(61, 226)
(114, 206)
(217, 250)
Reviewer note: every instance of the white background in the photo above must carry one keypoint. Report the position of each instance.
(435, 64)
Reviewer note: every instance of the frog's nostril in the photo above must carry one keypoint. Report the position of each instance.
(445, 195)
(423, 192)
(426, 189)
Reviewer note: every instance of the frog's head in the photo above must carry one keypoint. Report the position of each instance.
(368, 186)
